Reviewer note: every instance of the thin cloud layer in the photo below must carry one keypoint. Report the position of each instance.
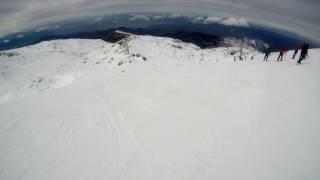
(98, 19)
(227, 21)
(292, 15)
(196, 19)
(40, 29)
(140, 17)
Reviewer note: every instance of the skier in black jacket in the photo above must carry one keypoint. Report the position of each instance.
(304, 52)
(267, 53)
(295, 52)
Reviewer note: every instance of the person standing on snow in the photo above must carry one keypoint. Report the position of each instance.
(304, 52)
(282, 51)
(295, 52)
(267, 53)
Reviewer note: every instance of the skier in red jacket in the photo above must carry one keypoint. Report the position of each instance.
(282, 51)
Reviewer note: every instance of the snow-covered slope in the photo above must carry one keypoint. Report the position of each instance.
(156, 108)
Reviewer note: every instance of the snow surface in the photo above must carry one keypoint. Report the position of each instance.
(157, 108)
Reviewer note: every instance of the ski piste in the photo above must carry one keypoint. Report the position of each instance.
(87, 109)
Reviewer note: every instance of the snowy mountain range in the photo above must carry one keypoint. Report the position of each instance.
(148, 107)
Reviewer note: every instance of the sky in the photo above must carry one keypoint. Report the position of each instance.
(298, 16)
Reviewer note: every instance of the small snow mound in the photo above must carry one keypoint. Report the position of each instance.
(6, 97)
(62, 81)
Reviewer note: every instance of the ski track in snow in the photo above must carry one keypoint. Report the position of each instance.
(156, 108)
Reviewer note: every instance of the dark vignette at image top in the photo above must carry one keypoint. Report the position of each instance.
(203, 35)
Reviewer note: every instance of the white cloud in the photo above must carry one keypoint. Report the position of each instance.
(210, 20)
(98, 19)
(227, 21)
(20, 36)
(179, 15)
(196, 19)
(57, 26)
(175, 16)
(44, 28)
(199, 18)
(147, 17)
(40, 29)
(135, 17)
(235, 22)
(159, 17)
